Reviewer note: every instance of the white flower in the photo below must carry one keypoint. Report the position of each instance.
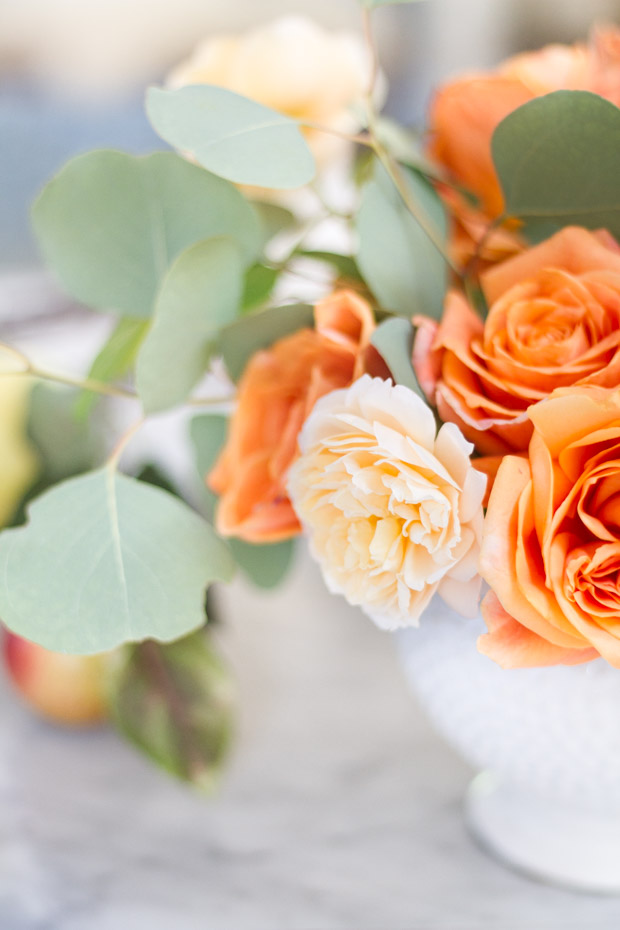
(393, 510)
(291, 65)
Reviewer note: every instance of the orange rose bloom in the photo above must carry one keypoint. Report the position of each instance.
(551, 545)
(554, 321)
(277, 391)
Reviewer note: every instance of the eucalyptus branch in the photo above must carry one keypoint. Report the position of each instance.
(119, 448)
(394, 170)
(86, 384)
(358, 138)
(472, 265)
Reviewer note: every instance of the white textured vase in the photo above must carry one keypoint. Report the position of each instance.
(547, 742)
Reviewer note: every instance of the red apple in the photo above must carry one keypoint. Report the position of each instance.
(66, 689)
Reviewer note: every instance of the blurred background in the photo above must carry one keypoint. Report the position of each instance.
(73, 72)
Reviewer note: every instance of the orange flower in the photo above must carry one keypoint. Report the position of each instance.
(465, 113)
(462, 120)
(551, 545)
(554, 321)
(277, 391)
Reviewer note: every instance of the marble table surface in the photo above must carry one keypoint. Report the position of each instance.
(340, 809)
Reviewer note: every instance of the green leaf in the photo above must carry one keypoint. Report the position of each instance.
(200, 294)
(175, 703)
(208, 433)
(114, 360)
(265, 565)
(105, 559)
(260, 281)
(557, 160)
(344, 264)
(239, 341)
(110, 224)
(273, 219)
(65, 447)
(393, 340)
(232, 136)
(402, 267)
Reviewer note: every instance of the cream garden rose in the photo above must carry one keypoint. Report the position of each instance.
(393, 509)
(291, 65)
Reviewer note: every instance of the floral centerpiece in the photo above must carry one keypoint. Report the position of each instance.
(445, 411)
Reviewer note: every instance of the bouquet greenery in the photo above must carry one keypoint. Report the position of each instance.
(459, 351)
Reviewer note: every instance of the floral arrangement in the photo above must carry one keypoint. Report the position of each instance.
(445, 410)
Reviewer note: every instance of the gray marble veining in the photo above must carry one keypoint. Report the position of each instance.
(340, 809)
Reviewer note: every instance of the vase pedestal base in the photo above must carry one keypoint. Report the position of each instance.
(554, 842)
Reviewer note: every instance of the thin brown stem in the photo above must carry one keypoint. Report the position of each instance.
(472, 265)
(359, 138)
(394, 170)
(119, 448)
(86, 384)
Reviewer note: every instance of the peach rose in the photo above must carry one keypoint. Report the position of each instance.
(554, 321)
(291, 65)
(277, 391)
(551, 544)
(465, 113)
(392, 507)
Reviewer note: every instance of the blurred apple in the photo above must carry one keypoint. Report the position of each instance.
(63, 688)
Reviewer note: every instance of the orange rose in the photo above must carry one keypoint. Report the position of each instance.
(462, 120)
(554, 321)
(465, 113)
(277, 391)
(551, 545)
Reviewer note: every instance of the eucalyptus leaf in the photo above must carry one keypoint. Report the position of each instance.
(200, 294)
(265, 565)
(273, 219)
(345, 265)
(208, 433)
(401, 265)
(106, 559)
(258, 286)
(393, 340)
(241, 339)
(114, 360)
(557, 161)
(175, 703)
(232, 136)
(65, 446)
(110, 224)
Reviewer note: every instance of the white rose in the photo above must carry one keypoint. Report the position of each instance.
(393, 509)
(291, 65)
